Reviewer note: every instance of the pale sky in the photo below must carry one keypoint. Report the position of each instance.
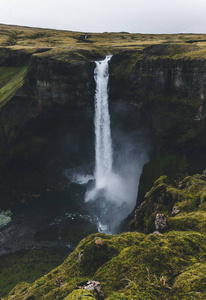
(141, 16)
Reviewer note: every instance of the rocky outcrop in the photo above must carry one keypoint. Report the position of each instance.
(134, 266)
(92, 286)
(172, 206)
(160, 222)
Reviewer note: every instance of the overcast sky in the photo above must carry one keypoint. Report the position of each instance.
(143, 16)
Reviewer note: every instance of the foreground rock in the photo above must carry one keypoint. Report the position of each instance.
(184, 203)
(92, 286)
(133, 266)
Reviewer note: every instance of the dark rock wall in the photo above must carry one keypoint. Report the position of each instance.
(53, 81)
(169, 96)
(47, 126)
(174, 88)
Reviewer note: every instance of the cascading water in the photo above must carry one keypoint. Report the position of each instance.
(114, 189)
(103, 144)
(103, 141)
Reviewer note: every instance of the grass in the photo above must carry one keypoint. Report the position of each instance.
(11, 79)
(69, 46)
(27, 265)
(18, 37)
(129, 266)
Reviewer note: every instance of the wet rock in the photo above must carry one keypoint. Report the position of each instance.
(175, 211)
(90, 184)
(92, 285)
(160, 222)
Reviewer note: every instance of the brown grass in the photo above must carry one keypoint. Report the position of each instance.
(18, 37)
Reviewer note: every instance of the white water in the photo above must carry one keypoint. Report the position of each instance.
(103, 143)
(115, 188)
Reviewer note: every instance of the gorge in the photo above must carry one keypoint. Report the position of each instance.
(157, 92)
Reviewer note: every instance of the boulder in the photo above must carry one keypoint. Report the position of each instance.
(160, 222)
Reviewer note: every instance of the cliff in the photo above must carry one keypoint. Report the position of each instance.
(167, 85)
(47, 78)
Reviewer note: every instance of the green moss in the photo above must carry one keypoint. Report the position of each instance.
(13, 80)
(27, 265)
(171, 165)
(136, 267)
(187, 196)
(189, 221)
(151, 265)
(192, 281)
(81, 295)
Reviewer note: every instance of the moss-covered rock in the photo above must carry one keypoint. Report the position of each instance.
(13, 79)
(188, 196)
(136, 266)
(171, 165)
(192, 281)
(81, 295)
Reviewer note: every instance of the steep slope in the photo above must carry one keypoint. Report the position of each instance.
(134, 265)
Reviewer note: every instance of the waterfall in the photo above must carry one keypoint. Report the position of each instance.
(112, 193)
(103, 142)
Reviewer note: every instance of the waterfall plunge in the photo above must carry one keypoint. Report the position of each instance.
(114, 190)
(103, 141)
(103, 144)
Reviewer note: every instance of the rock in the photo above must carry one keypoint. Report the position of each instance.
(101, 244)
(175, 211)
(80, 256)
(90, 184)
(92, 285)
(160, 222)
(157, 233)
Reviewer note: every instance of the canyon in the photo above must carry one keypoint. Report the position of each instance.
(157, 99)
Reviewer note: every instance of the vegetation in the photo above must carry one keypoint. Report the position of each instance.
(187, 195)
(134, 265)
(18, 37)
(11, 79)
(27, 265)
(131, 266)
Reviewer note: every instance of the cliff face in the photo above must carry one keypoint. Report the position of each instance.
(169, 91)
(53, 103)
(53, 81)
(46, 125)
